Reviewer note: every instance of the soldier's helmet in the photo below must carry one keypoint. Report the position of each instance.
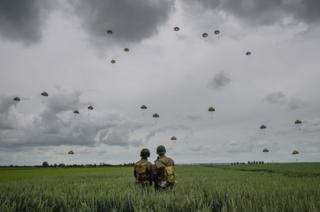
(161, 149)
(145, 153)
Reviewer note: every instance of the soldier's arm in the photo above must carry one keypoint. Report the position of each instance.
(160, 171)
(160, 168)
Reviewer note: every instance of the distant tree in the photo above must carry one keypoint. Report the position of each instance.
(45, 164)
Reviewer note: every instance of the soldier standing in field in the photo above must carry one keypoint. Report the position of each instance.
(143, 169)
(165, 170)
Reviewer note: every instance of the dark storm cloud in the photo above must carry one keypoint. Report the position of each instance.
(56, 125)
(220, 80)
(23, 21)
(265, 12)
(130, 21)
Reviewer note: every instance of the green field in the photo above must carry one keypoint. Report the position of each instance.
(277, 187)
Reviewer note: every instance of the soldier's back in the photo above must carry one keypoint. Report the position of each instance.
(143, 163)
(143, 171)
(165, 172)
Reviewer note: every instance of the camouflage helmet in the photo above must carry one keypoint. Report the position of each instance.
(145, 153)
(161, 149)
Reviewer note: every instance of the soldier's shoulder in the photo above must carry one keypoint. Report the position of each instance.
(170, 159)
(166, 161)
(138, 162)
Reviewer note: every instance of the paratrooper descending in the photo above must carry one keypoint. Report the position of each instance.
(109, 32)
(173, 138)
(17, 99)
(176, 29)
(45, 94)
(205, 35)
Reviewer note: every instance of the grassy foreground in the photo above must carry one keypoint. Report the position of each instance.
(285, 187)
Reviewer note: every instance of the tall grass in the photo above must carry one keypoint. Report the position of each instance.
(198, 189)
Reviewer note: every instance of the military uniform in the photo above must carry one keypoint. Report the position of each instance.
(143, 172)
(162, 165)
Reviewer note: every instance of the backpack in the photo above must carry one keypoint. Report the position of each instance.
(141, 169)
(170, 174)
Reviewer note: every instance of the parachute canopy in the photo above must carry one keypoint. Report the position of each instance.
(44, 93)
(109, 32)
(248, 53)
(90, 107)
(298, 122)
(126, 49)
(76, 111)
(156, 115)
(216, 32)
(211, 109)
(176, 28)
(204, 35)
(112, 61)
(265, 150)
(263, 127)
(17, 99)
(70, 152)
(173, 138)
(143, 107)
(295, 152)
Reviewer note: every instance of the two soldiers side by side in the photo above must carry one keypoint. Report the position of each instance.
(162, 173)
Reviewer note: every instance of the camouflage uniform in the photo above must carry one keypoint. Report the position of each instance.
(143, 170)
(160, 164)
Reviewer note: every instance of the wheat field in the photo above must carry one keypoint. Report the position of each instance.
(276, 187)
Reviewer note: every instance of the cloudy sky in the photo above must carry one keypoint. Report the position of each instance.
(62, 47)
